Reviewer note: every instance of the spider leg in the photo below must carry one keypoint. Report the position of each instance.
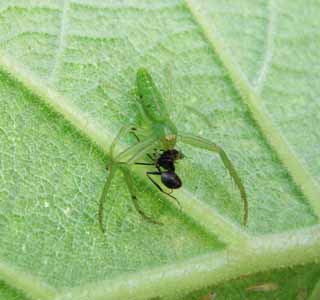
(126, 157)
(200, 115)
(159, 187)
(112, 170)
(132, 131)
(209, 146)
(131, 154)
(111, 166)
(123, 130)
(128, 178)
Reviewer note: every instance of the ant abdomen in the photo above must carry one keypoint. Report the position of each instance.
(171, 180)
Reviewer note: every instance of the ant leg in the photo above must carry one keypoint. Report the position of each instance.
(144, 164)
(159, 187)
(209, 146)
(132, 131)
(128, 178)
(156, 184)
(112, 170)
(150, 157)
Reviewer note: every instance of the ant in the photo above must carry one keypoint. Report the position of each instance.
(169, 177)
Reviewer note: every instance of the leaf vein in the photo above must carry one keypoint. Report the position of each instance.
(300, 175)
(62, 41)
(268, 49)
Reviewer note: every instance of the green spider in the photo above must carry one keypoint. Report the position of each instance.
(159, 132)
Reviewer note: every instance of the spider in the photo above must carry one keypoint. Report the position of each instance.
(159, 132)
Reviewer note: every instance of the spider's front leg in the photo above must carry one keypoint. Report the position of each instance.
(124, 158)
(128, 178)
(123, 131)
(112, 170)
(202, 143)
(112, 166)
(129, 157)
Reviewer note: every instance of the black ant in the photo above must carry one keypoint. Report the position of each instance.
(168, 175)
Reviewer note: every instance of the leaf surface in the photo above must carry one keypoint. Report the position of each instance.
(66, 80)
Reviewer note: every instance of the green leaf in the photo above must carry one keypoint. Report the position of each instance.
(67, 70)
(6, 292)
(294, 283)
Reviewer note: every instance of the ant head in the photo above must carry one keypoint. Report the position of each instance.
(171, 180)
(176, 154)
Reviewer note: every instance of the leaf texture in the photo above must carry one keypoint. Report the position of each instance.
(67, 71)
